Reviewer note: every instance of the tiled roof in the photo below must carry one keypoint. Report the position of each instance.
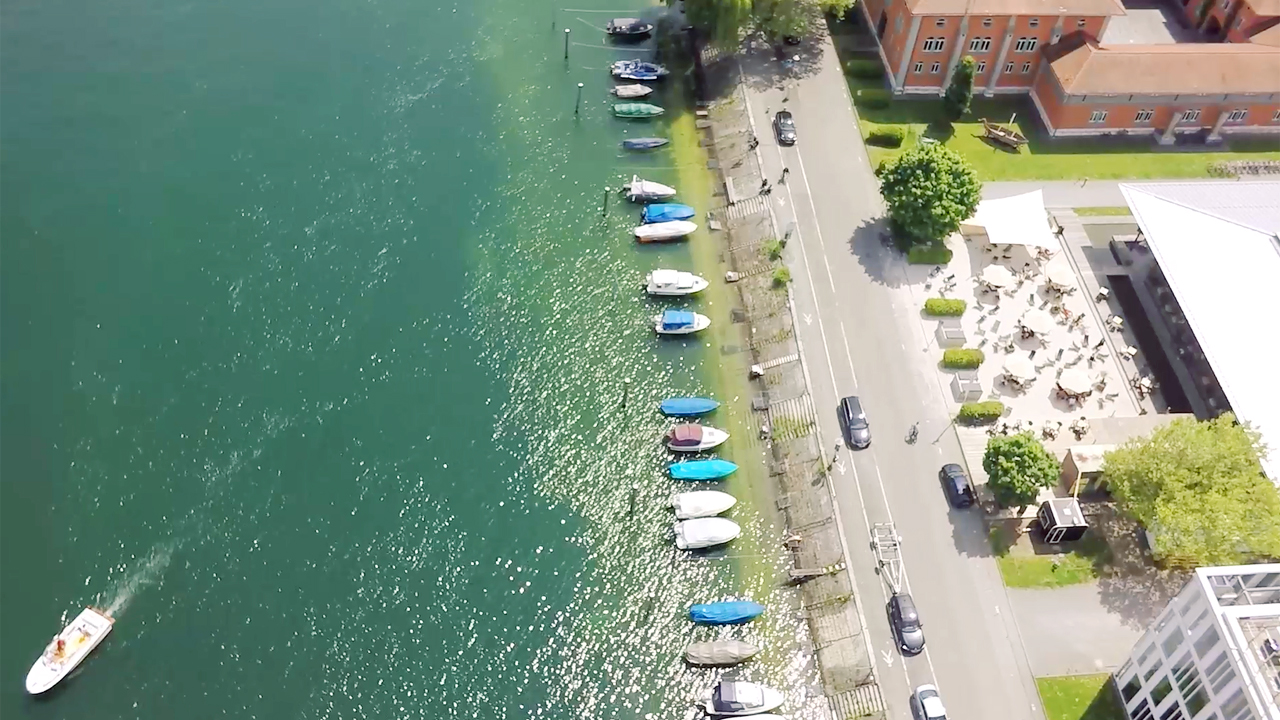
(1082, 67)
(1267, 33)
(1030, 8)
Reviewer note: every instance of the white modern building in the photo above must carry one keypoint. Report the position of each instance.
(1213, 653)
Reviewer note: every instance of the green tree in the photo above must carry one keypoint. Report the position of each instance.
(929, 191)
(960, 92)
(778, 18)
(1198, 486)
(1018, 467)
(722, 20)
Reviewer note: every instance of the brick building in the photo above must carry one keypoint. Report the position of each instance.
(1222, 75)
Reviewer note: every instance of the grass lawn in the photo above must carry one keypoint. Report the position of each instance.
(1102, 211)
(1022, 568)
(1079, 697)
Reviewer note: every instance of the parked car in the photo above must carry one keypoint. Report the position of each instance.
(857, 431)
(784, 126)
(956, 485)
(926, 704)
(905, 621)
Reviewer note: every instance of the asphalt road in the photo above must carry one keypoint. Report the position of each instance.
(861, 333)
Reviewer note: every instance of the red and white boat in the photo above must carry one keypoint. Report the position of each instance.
(68, 648)
(692, 437)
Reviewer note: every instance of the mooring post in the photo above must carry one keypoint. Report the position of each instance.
(566, 43)
(578, 103)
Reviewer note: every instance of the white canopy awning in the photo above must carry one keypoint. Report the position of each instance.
(1075, 381)
(1016, 220)
(1037, 321)
(997, 276)
(1019, 366)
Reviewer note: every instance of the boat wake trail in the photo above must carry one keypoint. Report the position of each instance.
(146, 571)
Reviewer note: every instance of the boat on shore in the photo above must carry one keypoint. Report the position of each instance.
(674, 283)
(727, 612)
(635, 90)
(695, 470)
(646, 190)
(637, 110)
(68, 649)
(648, 143)
(705, 532)
(664, 231)
(701, 503)
(692, 437)
(665, 212)
(687, 406)
(637, 70)
(719, 653)
(680, 322)
(735, 698)
(628, 27)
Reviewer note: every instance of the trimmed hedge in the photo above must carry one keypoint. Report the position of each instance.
(946, 307)
(962, 358)
(981, 412)
(872, 99)
(865, 69)
(888, 137)
(929, 254)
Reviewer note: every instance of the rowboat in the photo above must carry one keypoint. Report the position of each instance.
(687, 406)
(644, 143)
(664, 231)
(637, 110)
(692, 437)
(674, 283)
(735, 698)
(719, 653)
(701, 469)
(68, 648)
(645, 190)
(705, 532)
(631, 91)
(726, 612)
(665, 212)
(628, 27)
(701, 503)
(637, 70)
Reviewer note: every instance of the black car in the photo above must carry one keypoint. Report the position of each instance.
(956, 485)
(784, 126)
(857, 431)
(907, 628)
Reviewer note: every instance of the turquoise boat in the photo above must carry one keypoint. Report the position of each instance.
(701, 469)
(637, 110)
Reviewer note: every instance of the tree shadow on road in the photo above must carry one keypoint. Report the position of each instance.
(1135, 589)
(882, 263)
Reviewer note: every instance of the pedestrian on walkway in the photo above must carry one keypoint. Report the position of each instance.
(764, 183)
(785, 172)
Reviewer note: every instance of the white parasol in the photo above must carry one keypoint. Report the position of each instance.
(1060, 274)
(997, 276)
(1075, 382)
(1019, 367)
(1037, 321)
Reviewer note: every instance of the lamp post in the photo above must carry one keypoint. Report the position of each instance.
(566, 43)
(578, 103)
(605, 211)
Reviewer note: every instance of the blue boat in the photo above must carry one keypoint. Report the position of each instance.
(687, 406)
(733, 612)
(666, 212)
(701, 469)
(644, 143)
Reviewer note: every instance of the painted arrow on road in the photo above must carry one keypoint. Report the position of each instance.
(888, 659)
(840, 467)
(808, 319)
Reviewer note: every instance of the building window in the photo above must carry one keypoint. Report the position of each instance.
(1026, 68)
(1172, 643)
(1144, 116)
(935, 68)
(1236, 706)
(1131, 688)
(1098, 116)
(1190, 115)
(1025, 45)
(1008, 67)
(986, 22)
(1080, 23)
(980, 45)
(934, 44)
(940, 22)
(919, 67)
(1238, 115)
(1161, 690)
(982, 67)
(1173, 713)
(1207, 641)
(1035, 22)
(1141, 712)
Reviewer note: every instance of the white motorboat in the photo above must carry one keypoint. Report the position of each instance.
(701, 503)
(646, 190)
(68, 649)
(663, 231)
(705, 533)
(737, 698)
(674, 282)
(692, 437)
(680, 322)
(631, 91)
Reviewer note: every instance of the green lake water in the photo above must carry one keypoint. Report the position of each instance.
(314, 349)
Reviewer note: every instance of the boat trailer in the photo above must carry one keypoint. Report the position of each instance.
(887, 546)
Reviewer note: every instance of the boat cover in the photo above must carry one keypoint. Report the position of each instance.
(666, 212)
(685, 407)
(719, 652)
(675, 320)
(687, 435)
(637, 109)
(705, 532)
(645, 144)
(701, 469)
(701, 503)
(729, 612)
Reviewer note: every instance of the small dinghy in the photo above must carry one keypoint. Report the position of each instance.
(68, 649)
(644, 143)
(705, 532)
(665, 212)
(645, 190)
(692, 437)
(674, 283)
(631, 91)
(687, 406)
(701, 469)
(664, 231)
(637, 110)
(701, 504)
(719, 653)
(728, 612)
(637, 70)
(628, 27)
(735, 698)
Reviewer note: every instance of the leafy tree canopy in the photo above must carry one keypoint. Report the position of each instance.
(929, 191)
(1198, 486)
(1018, 467)
(727, 20)
(960, 92)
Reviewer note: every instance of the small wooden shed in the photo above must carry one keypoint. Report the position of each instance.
(1061, 520)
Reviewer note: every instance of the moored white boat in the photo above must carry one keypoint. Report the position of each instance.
(646, 190)
(68, 648)
(701, 503)
(658, 232)
(705, 533)
(692, 437)
(632, 91)
(680, 322)
(737, 698)
(674, 283)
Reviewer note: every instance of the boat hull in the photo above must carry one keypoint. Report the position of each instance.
(631, 91)
(80, 637)
(694, 470)
(705, 532)
(701, 504)
(719, 653)
(711, 437)
(729, 612)
(700, 323)
(770, 699)
(681, 284)
(687, 407)
(665, 212)
(664, 231)
(637, 110)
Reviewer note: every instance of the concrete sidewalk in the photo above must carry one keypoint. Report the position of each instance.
(1077, 193)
